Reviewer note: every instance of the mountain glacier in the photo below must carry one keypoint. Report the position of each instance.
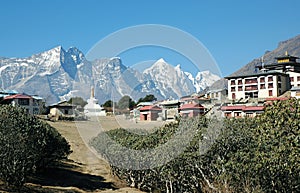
(58, 74)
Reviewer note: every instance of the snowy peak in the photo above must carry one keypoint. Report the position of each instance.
(76, 55)
(170, 80)
(158, 65)
(202, 80)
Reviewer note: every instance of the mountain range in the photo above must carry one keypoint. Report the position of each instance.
(59, 74)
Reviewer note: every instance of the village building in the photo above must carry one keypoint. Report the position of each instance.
(217, 95)
(32, 104)
(150, 113)
(191, 110)
(268, 85)
(271, 81)
(238, 111)
(62, 109)
(261, 85)
(295, 92)
(170, 109)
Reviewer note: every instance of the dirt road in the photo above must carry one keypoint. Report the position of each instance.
(86, 161)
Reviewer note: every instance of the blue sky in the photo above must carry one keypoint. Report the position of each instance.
(234, 31)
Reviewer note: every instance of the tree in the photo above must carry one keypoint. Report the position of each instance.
(27, 145)
(108, 103)
(77, 101)
(126, 103)
(147, 98)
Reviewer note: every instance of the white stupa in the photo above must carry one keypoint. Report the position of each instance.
(93, 108)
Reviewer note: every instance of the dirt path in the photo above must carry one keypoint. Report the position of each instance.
(88, 163)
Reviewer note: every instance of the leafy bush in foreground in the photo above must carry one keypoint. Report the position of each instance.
(261, 154)
(241, 155)
(26, 145)
(178, 175)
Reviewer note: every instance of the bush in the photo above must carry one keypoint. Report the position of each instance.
(178, 175)
(26, 145)
(243, 155)
(260, 154)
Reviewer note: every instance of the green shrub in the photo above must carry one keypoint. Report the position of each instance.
(260, 154)
(178, 175)
(26, 145)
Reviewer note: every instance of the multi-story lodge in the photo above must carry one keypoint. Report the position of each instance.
(271, 81)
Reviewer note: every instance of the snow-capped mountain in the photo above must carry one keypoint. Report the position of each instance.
(202, 80)
(172, 82)
(58, 74)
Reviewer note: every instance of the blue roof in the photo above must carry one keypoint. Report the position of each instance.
(37, 97)
(3, 95)
(10, 92)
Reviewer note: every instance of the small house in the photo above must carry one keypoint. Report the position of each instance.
(295, 92)
(62, 109)
(191, 110)
(32, 104)
(150, 113)
(170, 109)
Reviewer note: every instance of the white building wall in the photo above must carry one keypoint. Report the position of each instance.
(295, 79)
(267, 86)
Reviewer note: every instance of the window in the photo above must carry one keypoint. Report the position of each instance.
(292, 79)
(233, 96)
(232, 82)
(262, 86)
(270, 85)
(232, 89)
(298, 78)
(240, 82)
(270, 93)
(240, 88)
(237, 114)
(228, 114)
(270, 79)
(249, 115)
(279, 85)
(262, 79)
(23, 101)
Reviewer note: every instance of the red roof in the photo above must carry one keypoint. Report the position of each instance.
(243, 108)
(191, 106)
(17, 96)
(254, 108)
(230, 108)
(150, 108)
(277, 99)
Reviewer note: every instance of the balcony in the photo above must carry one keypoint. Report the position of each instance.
(251, 81)
(251, 88)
